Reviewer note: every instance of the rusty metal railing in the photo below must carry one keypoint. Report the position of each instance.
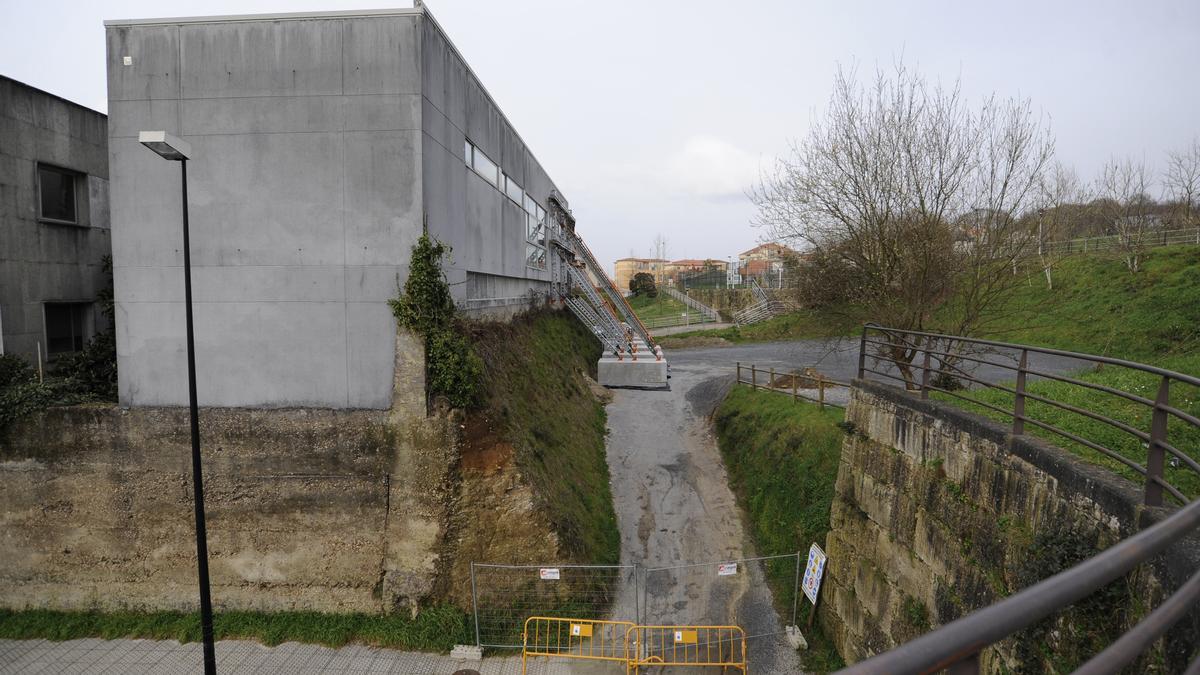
(956, 647)
(913, 354)
(793, 384)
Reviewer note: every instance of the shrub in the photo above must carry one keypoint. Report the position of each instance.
(426, 308)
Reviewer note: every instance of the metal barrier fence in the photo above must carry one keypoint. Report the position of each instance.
(950, 356)
(583, 639)
(705, 593)
(504, 597)
(1148, 239)
(794, 382)
(698, 646)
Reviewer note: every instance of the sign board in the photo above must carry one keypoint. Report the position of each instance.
(685, 637)
(581, 630)
(726, 569)
(813, 571)
(549, 573)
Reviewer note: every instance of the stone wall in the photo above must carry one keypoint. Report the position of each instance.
(938, 512)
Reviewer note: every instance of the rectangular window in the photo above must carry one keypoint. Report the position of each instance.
(66, 326)
(467, 148)
(529, 205)
(485, 167)
(56, 194)
(515, 192)
(535, 256)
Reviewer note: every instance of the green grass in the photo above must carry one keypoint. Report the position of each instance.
(805, 324)
(658, 307)
(1179, 434)
(537, 398)
(782, 457)
(436, 628)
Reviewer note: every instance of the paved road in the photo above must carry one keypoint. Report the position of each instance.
(674, 507)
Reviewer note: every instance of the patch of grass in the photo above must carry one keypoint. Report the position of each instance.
(1179, 434)
(436, 628)
(658, 307)
(804, 324)
(536, 394)
(782, 457)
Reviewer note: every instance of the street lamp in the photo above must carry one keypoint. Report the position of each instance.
(171, 148)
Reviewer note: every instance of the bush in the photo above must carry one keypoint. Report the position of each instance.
(426, 308)
(93, 371)
(13, 369)
(642, 283)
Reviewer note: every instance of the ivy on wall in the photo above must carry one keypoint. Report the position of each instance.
(425, 307)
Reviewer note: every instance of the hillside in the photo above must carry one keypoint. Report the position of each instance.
(1096, 306)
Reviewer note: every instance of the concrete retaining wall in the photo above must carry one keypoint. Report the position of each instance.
(938, 512)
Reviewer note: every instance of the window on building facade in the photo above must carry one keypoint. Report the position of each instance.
(66, 326)
(56, 194)
(481, 164)
(514, 191)
(535, 215)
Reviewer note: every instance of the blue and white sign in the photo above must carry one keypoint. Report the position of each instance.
(813, 571)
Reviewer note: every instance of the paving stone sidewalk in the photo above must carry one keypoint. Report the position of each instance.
(151, 657)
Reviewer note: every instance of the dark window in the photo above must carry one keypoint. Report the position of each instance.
(56, 189)
(65, 326)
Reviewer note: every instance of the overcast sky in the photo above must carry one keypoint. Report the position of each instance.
(654, 117)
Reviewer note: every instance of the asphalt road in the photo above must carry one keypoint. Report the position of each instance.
(674, 505)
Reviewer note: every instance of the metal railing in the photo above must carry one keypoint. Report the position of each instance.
(793, 386)
(942, 355)
(690, 319)
(956, 647)
(1148, 239)
(692, 303)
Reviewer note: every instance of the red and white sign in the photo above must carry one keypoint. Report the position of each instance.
(549, 573)
(726, 569)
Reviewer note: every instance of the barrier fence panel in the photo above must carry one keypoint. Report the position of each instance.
(683, 645)
(504, 597)
(568, 638)
(731, 592)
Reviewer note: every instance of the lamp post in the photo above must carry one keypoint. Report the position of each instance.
(170, 148)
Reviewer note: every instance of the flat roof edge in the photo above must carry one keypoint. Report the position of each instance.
(282, 16)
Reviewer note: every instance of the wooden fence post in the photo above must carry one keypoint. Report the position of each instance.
(753, 378)
(1018, 426)
(794, 397)
(771, 379)
(739, 372)
(821, 391)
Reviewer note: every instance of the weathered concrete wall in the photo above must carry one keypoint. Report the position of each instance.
(939, 512)
(46, 261)
(487, 230)
(724, 300)
(305, 201)
(312, 509)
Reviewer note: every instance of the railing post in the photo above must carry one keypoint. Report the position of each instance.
(1155, 454)
(1018, 427)
(925, 373)
(753, 378)
(771, 379)
(794, 397)
(739, 372)
(821, 391)
(862, 353)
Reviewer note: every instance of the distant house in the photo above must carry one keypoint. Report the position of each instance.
(54, 225)
(676, 269)
(625, 269)
(764, 261)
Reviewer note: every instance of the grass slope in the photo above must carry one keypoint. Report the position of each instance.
(434, 629)
(782, 459)
(536, 394)
(658, 307)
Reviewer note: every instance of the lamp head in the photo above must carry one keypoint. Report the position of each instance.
(165, 145)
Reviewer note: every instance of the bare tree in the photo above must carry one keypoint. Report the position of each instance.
(912, 196)
(1061, 205)
(1182, 183)
(660, 252)
(1127, 207)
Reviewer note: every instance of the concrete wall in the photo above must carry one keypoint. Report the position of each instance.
(485, 228)
(41, 261)
(938, 512)
(305, 202)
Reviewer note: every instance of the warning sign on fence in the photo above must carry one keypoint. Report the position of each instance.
(813, 571)
(726, 569)
(549, 573)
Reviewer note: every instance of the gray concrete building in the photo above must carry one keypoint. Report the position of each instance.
(54, 231)
(322, 145)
